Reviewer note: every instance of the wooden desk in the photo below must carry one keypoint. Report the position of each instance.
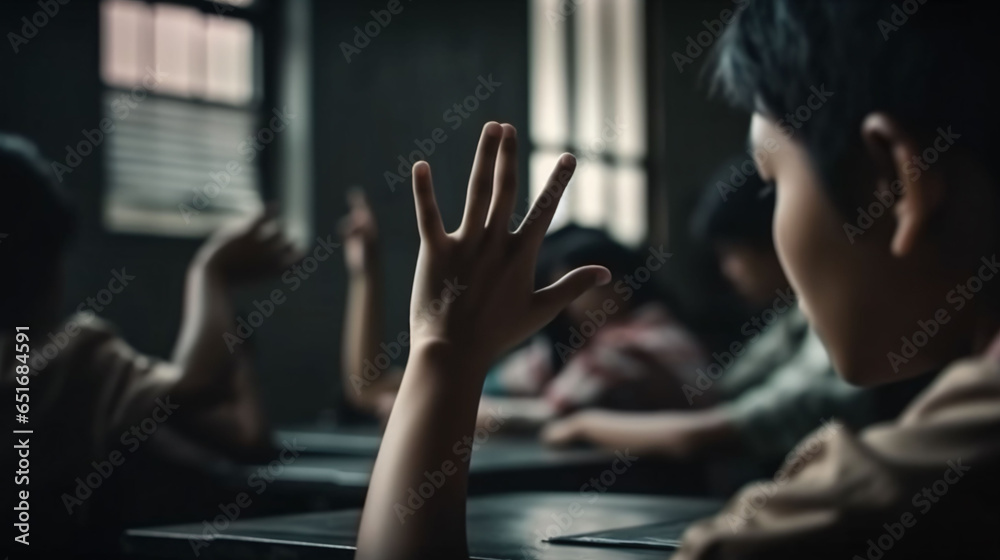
(509, 526)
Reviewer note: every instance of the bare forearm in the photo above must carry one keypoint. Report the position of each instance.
(479, 284)
(679, 435)
(215, 384)
(363, 330)
(434, 413)
(203, 355)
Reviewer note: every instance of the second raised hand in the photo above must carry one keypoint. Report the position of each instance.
(475, 288)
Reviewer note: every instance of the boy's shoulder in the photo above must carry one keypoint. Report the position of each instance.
(87, 331)
(966, 385)
(836, 482)
(74, 343)
(958, 415)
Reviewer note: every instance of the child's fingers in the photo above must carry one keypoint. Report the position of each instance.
(269, 212)
(536, 223)
(268, 230)
(356, 198)
(290, 254)
(346, 226)
(428, 216)
(275, 240)
(558, 433)
(280, 249)
(550, 301)
(349, 226)
(505, 185)
(477, 201)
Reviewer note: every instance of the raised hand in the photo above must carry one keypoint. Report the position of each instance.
(248, 251)
(360, 233)
(474, 288)
(473, 297)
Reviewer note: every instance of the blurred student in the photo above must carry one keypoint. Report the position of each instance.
(98, 408)
(770, 390)
(369, 384)
(892, 297)
(619, 347)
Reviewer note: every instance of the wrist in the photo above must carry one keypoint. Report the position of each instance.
(362, 274)
(448, 360)
(580, 424)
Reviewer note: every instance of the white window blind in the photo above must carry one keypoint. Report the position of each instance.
(167, 154)
(181, 158)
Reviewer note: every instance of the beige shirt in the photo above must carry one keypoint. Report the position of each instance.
(924, 486)
(111, 447)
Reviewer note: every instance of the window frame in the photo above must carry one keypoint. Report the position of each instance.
(614, 165)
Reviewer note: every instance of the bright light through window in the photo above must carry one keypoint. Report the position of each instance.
(587, 95)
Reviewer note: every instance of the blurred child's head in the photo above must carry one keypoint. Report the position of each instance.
(734, 215)
(877, 126)
(36, 221)
(574, 246)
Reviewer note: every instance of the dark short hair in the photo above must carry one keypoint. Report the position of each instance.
(928, 63)
(36, 220)
(573, 246)
(736, 206)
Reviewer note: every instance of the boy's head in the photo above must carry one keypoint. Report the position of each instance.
(36, 221)
(734, 216)
(875, 120)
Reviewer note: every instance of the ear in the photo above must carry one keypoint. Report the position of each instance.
(901, 173)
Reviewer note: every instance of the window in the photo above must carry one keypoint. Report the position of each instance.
(180, 91)
(587, 97)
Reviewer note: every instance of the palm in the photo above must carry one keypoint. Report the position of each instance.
(251, 250)
(475, 286)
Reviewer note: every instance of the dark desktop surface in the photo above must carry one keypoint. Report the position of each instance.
(325, 468)
(509, 526)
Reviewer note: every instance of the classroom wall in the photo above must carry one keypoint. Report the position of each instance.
(395, 93)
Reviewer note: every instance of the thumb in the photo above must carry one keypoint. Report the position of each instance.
(550, 301)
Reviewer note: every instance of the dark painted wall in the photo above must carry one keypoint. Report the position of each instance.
(690, 135)
(394, 94)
